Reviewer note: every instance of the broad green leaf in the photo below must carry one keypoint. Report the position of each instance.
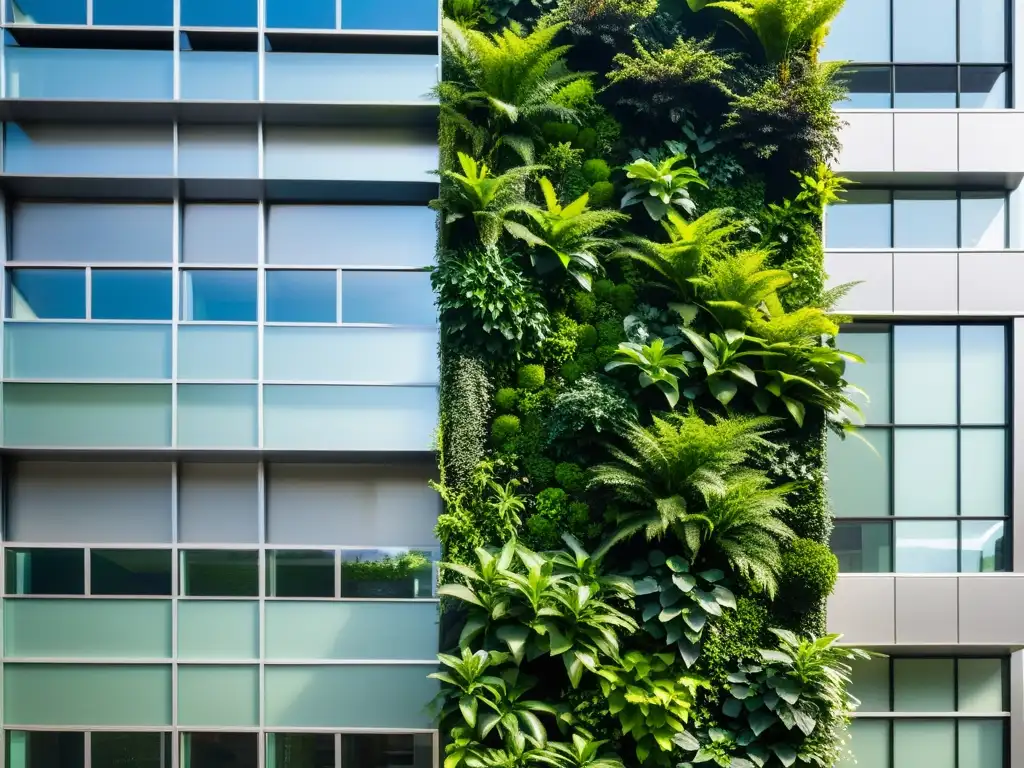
(785, 753)
(687, 741)
(678, 564)
(723, 390)
(646, 586)
(685, 582)
(515, 637)
(460, 592)
(468, 705)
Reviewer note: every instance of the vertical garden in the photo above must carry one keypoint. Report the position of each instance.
(638, 373)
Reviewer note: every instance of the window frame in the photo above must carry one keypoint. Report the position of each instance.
(892, 68)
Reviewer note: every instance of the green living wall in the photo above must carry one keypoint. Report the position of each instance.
(638, 374)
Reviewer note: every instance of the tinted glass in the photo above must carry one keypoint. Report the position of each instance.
(860, 32)
(924, 743)
(925, 88)
(220, 750)
(982, 374)
(981, 743)
(925, 353)
(219, 295)
(89, 150)
(862, 547)
(46, 294)
(47, 11)
(983, 31)
(130, 572)
(924, 30)
(863, 220)
(220, 574)
(393, 298)
(45, 572)
(869, 744)
(223, 13)
(301, 574)
(148, 13)
(983, 88)
(219, 75)
(134, 750)
(315, 750)
(69, 73)
(925, 220)
(983, 546)
(870, 88)
(301, 14)
(381, 573)
(983, 220)
(926, 547)
(925, 472)
(131, 294)
(983, 473)
(393, 14)
(302, 297)
(38, 749)
(981, 686)
(858, 474)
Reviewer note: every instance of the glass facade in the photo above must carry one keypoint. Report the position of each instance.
(926, 487)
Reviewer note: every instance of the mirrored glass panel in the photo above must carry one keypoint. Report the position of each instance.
(873, 376)
(395, 14)
(215, 573)
(383, 573)
(302, 296)
(45, 571)
(983, 222)
(860, 32)
(925, 88)
(981, 743)
(131, 294)
(221, 233)
(984, 88)
(47, 11)
(301, 14)
(859, 474)
(925, 219)
(300, 750)
(219, 295)
(89, 150)
(219, 75)
(983, 469)
(984, 547)
(151, 13)
(983, 31)
(223, 13)
(925, 472)
(863, 220)
(349, 77)
(925, 353)
(300, 573)
(862, 547)
(43, 749)
(924, 30)
(216, 750)
(869, 88)
(75, 73)
(387, 298)
(45, 294)
(412, 750)
(130, 571)
(218, 151)
(926, 547)
(138, 750)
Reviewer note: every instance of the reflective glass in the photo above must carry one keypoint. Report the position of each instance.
(983, 220)
(983, 473)
(863, 220)
(925, 547)
(221, 233)
(874, 375)
(390, 298)
(983, 31)
(150, 13)
(74, 351)
(925, 220)
(925, 374)
(138, 750)
(223, 13)
(89, 150)
(858, 473)
(46, 294)
(389, 14)
(130, 572)
(859, 33)
(982, 374)
(924, 30)
(925, 87)
(45, 572)
(923, 685)
(383, 573)
(869, 88)
(983, 88)
(218, 629)
(349, 77)
(219, 75)
(300, 750)
(981, 743)
(413, 750)
(217, 352)
(925, 472)
(218, 415)
(74, 73)
(298, 573)
(981, 686)
(869, 745)
(131, 294)
(47, 11)
(42, 749)
(212, 573)
(302, 297)
(924, 743)
(983, 546)
(219, 295)
(218, 696)
(301, 14)
(871, 685)
(862, 547)
(217, 750)
(218, 151)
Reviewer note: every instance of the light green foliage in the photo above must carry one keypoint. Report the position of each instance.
(596, 170)
(723, 361)
(387, 568)
(586, 338)
(809, 572)
(470, 14)
(656, 364)
(505, 427)
(554, 516)
(610, 333)
(733, 288)
(506, 399)
(661, 187)
(784, 26)
(560, 346)
(465, 408)
(591, 408)
(570, 476)
(602, 193)
(584, 305)
(531, 377)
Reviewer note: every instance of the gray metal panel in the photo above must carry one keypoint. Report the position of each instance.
(925, 282)
(925, 141)
(867, 140)
(218, 503)
(990, 283)
(874, 273)
(990, 141)
(862, 609)
(926, 610)
(90, 502)
(990, 610)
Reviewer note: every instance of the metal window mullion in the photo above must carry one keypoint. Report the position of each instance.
(338, 286)
(337, 751)
(261, 496)
(338, 9)
(177, 217)
(88, 293)
(87, 571)
(261, 320)
(88, 12)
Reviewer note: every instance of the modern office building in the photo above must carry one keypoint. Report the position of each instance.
(219, 383)
(925, 503)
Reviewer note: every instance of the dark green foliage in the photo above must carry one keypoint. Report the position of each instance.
(610, 333)
(584, 305)
(559, 133)
(570, 476)
(539, 469)
(596, 170)
(505, 399)
(809, 571)
(593, 407)
(464, 413)
(603, 289)
(602, 193)
(623, 298)
(604, 355)
(586, 338)
(586, 139)
(572, 372)
(505, 427)
(734, 639)
(531, 377)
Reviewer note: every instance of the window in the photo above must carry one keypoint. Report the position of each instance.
(217, 750)
(410, 750)
(926, 86)
(219, 295)
(918, 219)
(138, 750)
(223, 13)
(130, 572)
(303, 750)
(926, 490)
(47, 11)
(387, 573)
(215, 573)
(300, 573)
(295, 296)
(301, 14)
(131, 294)
(392, 298)
(41, 749)
(942, 691)
(152, 13)
(45, 572)
(46, 294)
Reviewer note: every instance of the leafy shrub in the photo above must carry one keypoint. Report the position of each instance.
(560, 345)
(604, 354)
(662, 186)
(559, 133)
(809, 571)
(578, 95)
(586, 139)
(570, 476)
(586, 337)
(584, 304)
(562, 159)
(555, 515)
(601, 194)
(610, 333)
(531, 377)
(505, 427)
(505, 399)
(465, 408)
(571, 372)
(540, 469)
(592, 407)
(596, 170)
(623, 298)
(603, 289)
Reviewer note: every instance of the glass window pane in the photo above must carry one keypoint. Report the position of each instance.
(983, 220)
(393, 298)
(301, 14)
(302, 297)
(217, 502)
(923, 685)
(862, 547)
(213, 573)
(396, 14)
(219, 295)
(981, 686)
(983, 546)
(925, 547)
(924, 30)
(47, 11)
(74, 73)
(409, 750)
(924, 744)
(41, 749)
(983, 88)
(858, 473)
(297, 573)
(87, 351)
(218, 151)
(859, 33)
(863, 220)
(983, 31)
(130, 572)
(221, 233)
(925, 473)
(925, 354)
(874, 375)
(89, 150)
(218, 696)
(132, 13)
(349, 76)
(869, 87)
(219, 75)
(217, 750)
(981, 743)
(871, 685)
(217, 352)
(131, 294)
(869, 745)
(44, 294)
(983, 473)
(925, 87)
(396, 573)
(301, 750)
(138, 750)
(218, 629)
(925, 219)
(223, 13)
(45, 572)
